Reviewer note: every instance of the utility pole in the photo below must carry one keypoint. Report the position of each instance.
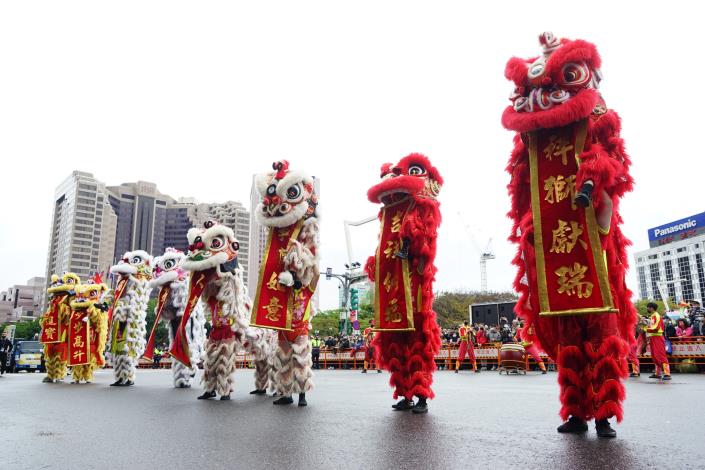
(353, 274)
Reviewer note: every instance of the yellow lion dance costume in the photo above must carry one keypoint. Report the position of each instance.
(55, 322)
(88, 330)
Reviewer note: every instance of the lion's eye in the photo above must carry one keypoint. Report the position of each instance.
(293, 192)
(217, 243)
(136, 260)
(168, 264)
(416, 170)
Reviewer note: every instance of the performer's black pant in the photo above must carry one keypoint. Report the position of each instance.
(3, 362)
(315, 354)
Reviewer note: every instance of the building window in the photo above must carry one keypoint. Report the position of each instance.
(701, 274)
(652, 256)
(655, 278)
(680, 250)
(686, 278)
(669, 278)
(642, 282)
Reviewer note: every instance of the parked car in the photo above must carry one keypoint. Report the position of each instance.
(28, 355)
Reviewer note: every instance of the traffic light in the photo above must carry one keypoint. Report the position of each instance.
(354, 303)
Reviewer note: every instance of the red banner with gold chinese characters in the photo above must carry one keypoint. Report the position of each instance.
(571, 268)
(179, 348)
(79, 338)
(394, 307)
(273, 306)
(52, 328)
(161, 302)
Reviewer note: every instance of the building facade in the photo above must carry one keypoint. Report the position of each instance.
(23, 301)
(673, 266)
(94, 225)
(82, 238)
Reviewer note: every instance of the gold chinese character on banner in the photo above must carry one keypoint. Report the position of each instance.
(49, 320)
(392, 247)
(78, 355)
(558, 147)
(50, 332)
(273, 309)
(390, 283)
(392, 313)
(78, 342)
(396, 222)
(565, 237)
(77, 327)
(559, 188)
(570, 281)
(273, 283)
(283, 234)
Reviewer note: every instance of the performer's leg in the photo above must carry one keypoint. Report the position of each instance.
(262, 367)
(534, 353)
(121, 371)
(283, 363)
(210, 376)
(658, 354)
(462, 351)
(425, 343)
(301, 362)
(183, 376)
(607, 357)
(571, 366)
(471, 356)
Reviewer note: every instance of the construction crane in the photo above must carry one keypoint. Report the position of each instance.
(485, 254)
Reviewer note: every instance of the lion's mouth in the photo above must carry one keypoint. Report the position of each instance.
(539, 99)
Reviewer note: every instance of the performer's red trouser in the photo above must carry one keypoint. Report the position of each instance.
(634, 351)
(533, 351)
(466, 349)
(658, 354)
(592, 361)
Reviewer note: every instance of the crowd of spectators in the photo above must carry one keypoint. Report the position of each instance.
(504, 332)
(691, 323)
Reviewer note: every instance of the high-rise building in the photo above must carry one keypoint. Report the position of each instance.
(23, 301)
(82, 238)
(94, 225)
(141, 217)
(674, 266)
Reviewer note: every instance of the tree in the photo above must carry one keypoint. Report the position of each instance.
(452, 308)
(640, 306)
(25, 329)
(162, 335)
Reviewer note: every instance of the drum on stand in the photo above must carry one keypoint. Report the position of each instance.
(512, 358)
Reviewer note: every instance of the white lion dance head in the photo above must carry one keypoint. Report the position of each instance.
(167, 268)
(287, 196)
(136, 263)
(212, 246)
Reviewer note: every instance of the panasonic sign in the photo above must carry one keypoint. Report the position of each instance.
(678, 230)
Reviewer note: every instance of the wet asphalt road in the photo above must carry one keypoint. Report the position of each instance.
(476, 421)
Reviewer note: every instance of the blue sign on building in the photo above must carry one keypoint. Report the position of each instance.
(678, 230)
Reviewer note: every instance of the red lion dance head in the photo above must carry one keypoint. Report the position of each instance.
(554, 89)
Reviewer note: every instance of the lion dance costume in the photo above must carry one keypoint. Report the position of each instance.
(172, 284)
(216, 279)
(55, 322)
(288, 274)
(88, 330)
(569, 171)
(129, 327)
(403, 273)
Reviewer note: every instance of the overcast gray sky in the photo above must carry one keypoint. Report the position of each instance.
(197, 97)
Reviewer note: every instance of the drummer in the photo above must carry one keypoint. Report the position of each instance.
(467, 346)
(525, 336)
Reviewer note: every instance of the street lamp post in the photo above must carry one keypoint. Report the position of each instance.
(351, 276)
